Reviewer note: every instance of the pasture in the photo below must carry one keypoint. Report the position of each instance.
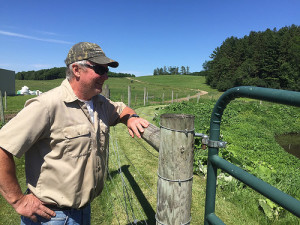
(236, 204)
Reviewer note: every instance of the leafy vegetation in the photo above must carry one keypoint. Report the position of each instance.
(265, 59)
(249, 128)
(172, 70)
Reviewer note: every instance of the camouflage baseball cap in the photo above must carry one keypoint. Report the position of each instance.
(89, 51)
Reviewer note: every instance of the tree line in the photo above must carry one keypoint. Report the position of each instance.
(56, 73)
(171, 70)
(174, 70)
(265, 59)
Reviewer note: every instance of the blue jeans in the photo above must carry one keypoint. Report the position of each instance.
(67, 217)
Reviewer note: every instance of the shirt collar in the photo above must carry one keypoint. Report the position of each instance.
(68, 93)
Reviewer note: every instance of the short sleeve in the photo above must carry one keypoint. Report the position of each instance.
(21, 132)
(114, 111)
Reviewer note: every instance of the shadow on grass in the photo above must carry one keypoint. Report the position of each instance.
(148, 210)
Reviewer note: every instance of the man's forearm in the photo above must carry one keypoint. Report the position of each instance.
(9, 186)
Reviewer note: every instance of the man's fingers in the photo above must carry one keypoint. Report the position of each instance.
(30, 206)
(33, 218)
(145, 123)
(136, 132)
(48, 212)
(46, 215)
(141, 128)
(136, 126)
(130, 132)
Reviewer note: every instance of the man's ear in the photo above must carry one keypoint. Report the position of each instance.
(75, 69)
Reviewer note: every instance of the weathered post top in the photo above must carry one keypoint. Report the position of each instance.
(178, 122)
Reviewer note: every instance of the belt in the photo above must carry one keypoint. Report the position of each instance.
(57, 208)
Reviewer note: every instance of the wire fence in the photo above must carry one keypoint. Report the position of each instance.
(123, 185)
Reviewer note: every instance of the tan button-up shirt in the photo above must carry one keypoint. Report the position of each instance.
(65, 153)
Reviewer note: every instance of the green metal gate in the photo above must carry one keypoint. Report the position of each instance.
(214, 161)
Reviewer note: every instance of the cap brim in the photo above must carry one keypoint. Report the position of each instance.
(104, 60)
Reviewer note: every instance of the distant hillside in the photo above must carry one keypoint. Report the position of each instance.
(55, 73)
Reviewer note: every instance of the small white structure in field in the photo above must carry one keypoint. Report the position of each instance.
(25, 91)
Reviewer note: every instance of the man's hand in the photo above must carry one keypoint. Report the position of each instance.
(30, 206)
(25, 205)
(136, 126)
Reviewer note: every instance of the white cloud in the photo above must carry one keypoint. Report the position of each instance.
(7, 33)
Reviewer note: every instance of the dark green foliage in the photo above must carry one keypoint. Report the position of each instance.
(45, 74)
(172, 70)
(112, 74)
(201, 73)
(265, 59)
(249, 129)
(56, 73)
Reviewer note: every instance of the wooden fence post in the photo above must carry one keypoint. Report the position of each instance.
(129, 96)
(175, 169)
(1, 109)
(144, 96)
(5, 101)
(147, 98)
(152, 136)
(106, 91)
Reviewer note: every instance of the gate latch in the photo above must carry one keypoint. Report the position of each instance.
(216, 144)
(210, 143)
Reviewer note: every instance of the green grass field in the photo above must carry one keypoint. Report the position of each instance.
(156, 86)
(139, 161)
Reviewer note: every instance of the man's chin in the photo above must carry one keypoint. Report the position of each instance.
(99, 89)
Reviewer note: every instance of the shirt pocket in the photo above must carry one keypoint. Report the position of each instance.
(78, 140)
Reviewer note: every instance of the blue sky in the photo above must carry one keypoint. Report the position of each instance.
(140, 34)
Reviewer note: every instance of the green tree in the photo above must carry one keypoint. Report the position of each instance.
(267, 59)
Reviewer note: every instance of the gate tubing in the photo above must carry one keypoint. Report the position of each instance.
(291, 98)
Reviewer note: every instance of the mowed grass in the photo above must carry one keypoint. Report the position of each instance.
(180, 81)
(159, 89)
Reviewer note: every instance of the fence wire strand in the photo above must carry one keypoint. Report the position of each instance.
(143, 146)
(127, 195)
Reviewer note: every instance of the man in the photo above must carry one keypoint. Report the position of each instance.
(64, 136)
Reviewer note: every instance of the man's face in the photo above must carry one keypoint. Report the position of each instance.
(91, 81)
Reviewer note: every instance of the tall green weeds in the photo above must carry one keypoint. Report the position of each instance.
(249, 128)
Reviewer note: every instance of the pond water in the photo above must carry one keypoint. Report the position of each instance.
(290, 143)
